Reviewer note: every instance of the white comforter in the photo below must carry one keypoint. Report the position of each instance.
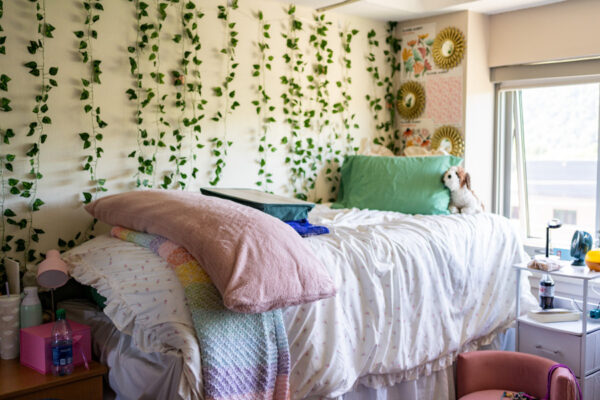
(413, 291)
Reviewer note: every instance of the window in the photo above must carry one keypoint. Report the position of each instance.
(549, 159)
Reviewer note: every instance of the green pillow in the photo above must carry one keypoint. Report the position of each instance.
(410, 185)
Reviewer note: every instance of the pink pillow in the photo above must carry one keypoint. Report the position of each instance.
(257, 262)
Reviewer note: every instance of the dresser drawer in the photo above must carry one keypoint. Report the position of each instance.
(591, 386)
(561, 347)
(557, 346)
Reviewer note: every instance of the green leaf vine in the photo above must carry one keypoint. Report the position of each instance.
(194, 87)
(161, 124)
(220, 146)
(388, 134)
(293, 106)
(6, 159)
(342, 107)
(147, 37)
(27, 188)
(137, 93)
(319, 85)
(264, 109)
(189, 25)
(392, 94)
(94, 136)
(375, 102)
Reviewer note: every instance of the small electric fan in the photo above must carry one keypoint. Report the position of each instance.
(580, 245)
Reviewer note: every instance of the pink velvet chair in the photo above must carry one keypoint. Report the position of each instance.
(483, 375)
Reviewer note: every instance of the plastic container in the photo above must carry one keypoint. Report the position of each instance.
(31, 308)
(61, 342)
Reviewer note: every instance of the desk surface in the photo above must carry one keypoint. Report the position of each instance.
(17, 379)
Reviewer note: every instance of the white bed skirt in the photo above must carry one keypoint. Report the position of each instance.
(131, 369)
(437, 386)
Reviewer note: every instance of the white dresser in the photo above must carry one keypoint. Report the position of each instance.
(566, 342)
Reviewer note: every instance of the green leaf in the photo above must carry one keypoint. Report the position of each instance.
(37, 204)
(53, 71)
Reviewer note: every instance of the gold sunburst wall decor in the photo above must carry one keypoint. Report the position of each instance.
(448, 48)
(412, 100)
(449, 139)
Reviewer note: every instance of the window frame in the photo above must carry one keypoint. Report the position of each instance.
(509, 125)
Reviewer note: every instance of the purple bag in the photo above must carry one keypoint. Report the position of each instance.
(525, 396)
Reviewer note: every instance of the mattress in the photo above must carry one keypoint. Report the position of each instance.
(131, 369)
(413, 292)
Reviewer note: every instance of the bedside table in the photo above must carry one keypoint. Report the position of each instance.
(23, 383)
(573, 343)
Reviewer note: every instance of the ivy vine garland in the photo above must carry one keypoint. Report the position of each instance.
(391, 95)
(137, 92)
(220, 146)
(179, 79)
(93, 138)
(6, 160)
(320, 152)
(375, 102)
(332, 171)
(263, 109)
(161, 124)
(387, 132)
(317, 137)
(194, 86)
(292, 104)
(28, 189)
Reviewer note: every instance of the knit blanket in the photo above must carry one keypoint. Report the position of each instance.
(243, 356)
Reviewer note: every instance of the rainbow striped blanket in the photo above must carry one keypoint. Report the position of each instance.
(244, 356)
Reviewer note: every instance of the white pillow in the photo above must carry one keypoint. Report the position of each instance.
(144, 299)
(141, 289)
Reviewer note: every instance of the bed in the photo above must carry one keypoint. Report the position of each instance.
(413, 291)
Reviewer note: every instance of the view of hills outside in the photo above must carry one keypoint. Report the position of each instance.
(561, 150)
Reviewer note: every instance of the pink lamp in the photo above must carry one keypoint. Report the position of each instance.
(52, 272)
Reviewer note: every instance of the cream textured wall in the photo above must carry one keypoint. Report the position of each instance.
(61, 157)
(558, 31)
(479, 109)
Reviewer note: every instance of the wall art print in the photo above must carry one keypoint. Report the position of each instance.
(417, 58)
(416, 136)
(444, 99)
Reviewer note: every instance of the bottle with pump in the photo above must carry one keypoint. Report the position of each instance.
(546, 292)
(31, 308)
(61, 341)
